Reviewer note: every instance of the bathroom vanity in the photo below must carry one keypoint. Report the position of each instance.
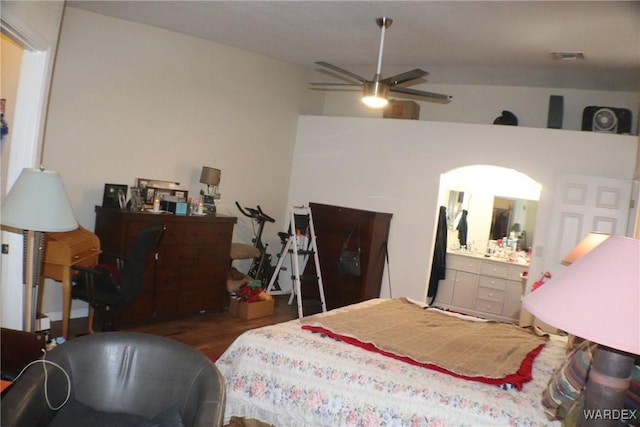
(490, 288)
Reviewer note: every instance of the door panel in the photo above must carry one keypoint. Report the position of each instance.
(584, 204)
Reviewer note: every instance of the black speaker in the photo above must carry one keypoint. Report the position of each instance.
(606, 119)
(556, 109)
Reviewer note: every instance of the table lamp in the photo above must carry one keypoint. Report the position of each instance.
(597, 298)
(37, 203)
(210, 177)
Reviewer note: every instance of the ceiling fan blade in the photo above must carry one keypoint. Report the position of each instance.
(341, 71)
(429, 95)
(335, 86)
(406, 76)
(354, 85)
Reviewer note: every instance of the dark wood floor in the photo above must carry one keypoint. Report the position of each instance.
(210, 333)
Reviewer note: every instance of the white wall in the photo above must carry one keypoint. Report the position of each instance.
(395, 166)
(130, 101)
(482, 104)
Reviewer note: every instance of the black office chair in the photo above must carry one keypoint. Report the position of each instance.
(108, 288)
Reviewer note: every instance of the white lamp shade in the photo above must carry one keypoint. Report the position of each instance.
(38, 201)
(597, 297)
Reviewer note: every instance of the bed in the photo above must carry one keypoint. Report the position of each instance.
(289, 376)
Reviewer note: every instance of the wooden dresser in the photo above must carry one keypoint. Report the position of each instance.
(192, 266)
(332, 226)
(483, 287)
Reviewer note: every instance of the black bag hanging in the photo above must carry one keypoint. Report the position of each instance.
(349, 261)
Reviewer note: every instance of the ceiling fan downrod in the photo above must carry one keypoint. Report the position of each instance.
(383, 23)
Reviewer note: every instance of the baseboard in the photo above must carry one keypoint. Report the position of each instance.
(56, 316)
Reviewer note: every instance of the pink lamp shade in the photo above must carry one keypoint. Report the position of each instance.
(597, 297)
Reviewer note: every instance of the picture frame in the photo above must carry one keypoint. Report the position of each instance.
(161, 193)
(157, 183)
(149, 194)
(160, 189)
(115, 196)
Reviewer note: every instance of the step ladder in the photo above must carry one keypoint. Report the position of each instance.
(300, 244)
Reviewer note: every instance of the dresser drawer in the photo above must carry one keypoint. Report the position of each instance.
(173, 234)
(493, 282)
(166, 304)
(464, 263)
(490, 294)
(205, 233)
(194, 300)
(203, 277)
(495, 269)
(180, 255)
(214, 254)
(167, 279)
(487, 306)
(515, 271)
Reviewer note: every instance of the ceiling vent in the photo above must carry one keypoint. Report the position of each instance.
(566, 56)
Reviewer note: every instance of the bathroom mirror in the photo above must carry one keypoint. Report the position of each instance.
(479, 189)
(455, 205)
(517, 215)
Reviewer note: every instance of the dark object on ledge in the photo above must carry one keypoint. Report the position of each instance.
(114, 372)
(507, 118)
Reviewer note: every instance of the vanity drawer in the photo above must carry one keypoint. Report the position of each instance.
(493, 283)
(495, 269)
(490, 294)
(515, 271)
(487, 306)
(464, 263)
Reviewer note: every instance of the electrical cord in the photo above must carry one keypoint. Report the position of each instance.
(46, 379)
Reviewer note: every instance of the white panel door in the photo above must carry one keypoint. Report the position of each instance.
(587, 203)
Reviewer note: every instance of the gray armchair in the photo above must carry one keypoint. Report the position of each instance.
(119, 378)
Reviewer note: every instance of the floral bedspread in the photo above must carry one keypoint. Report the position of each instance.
(287, 376)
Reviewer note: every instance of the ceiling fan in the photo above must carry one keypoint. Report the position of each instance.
(375, 92)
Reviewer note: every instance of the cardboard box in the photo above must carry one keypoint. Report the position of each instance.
(251, 310)
(402, 110)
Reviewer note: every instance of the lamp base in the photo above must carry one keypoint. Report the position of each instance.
(606, 388)
(34, 242)
(208, 204)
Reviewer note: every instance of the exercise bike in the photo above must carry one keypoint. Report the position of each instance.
(261, 268)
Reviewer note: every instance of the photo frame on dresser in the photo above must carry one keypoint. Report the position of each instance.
(115, 196)
(158, 189)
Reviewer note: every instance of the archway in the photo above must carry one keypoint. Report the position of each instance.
(475, 190)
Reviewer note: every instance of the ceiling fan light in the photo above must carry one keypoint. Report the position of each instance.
(374, 101)
(374, 94)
